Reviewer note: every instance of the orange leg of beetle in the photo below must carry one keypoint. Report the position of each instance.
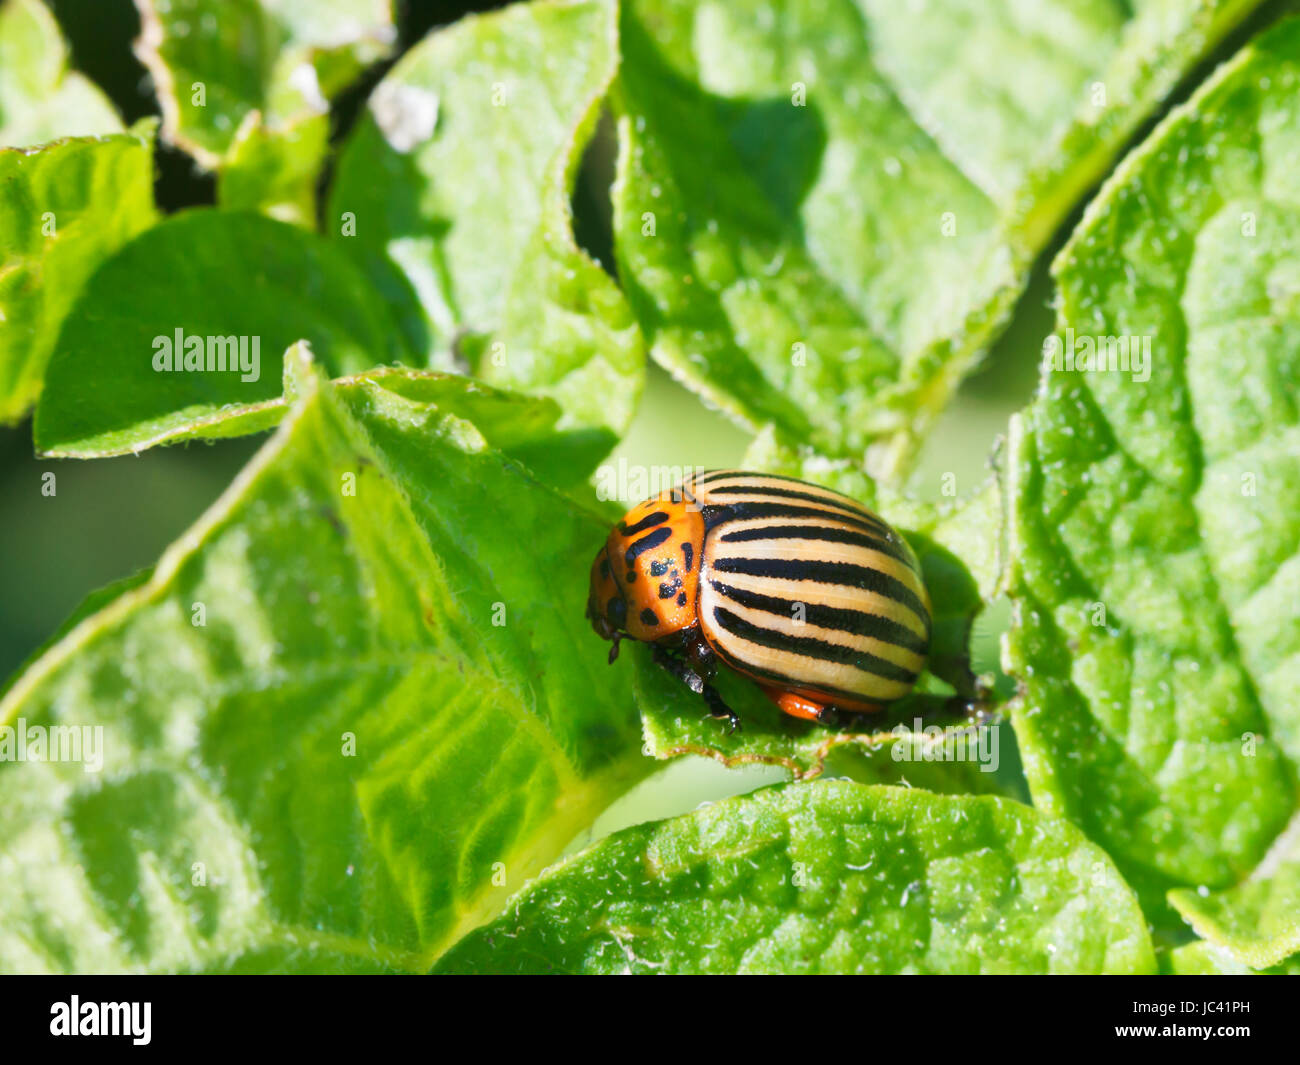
(795, 705)
(802, 706)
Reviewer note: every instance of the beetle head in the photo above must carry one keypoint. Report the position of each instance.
(606, 606)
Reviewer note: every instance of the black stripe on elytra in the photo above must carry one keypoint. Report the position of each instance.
(740, 475)
(647, 543)
(810, 647)
(713, 475)
(709, 476)
(844, 573)
(850, 622)
(688, 554)
(791, 493)
(744, 509)
(823, 533)
(784, 680)
(648, 522)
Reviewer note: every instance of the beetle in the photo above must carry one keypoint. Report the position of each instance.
(801, 589)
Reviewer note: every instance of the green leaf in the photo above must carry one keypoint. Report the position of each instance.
(958, 547)
(825, 211)
(64, 209)
(386, 716)
(1257, 920)
(213, 275)
(1153, 527)
(1205, 959)
(40, 98)
(453, 195)
(829, 877)
(275, 171)
(91, 604)
(215, 62)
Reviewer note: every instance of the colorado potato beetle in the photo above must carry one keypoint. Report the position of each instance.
(797, 587)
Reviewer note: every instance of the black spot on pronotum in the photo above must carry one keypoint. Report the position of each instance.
(648, 522)
(681, 598)
(670, 588)
(658, 567)
(647, 543)
(648, 618)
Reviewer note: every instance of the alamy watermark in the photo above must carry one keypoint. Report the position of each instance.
(1099, 354)
(980, 744)
(133, 1020)
(623, 481)
(195, 354)
(53, 743)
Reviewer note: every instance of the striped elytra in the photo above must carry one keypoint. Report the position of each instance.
(798, 587)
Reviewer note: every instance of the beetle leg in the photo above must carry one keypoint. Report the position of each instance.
(692, 680)
(680, 670)
(613, 651)
(834, 717)
(701, 656)
(810, 709)
(794, 705)
(720, 710)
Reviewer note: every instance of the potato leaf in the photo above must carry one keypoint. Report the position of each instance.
(64, 208)
(348, 712)
(1205, 959)
(1258, 920)
(829, 877)
(453, 195)
(41, 100)
(215, 62)
(1153, 539)
(230, 286)
(825, 210)
(275, 171)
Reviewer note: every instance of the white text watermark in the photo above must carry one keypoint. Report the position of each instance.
(22, 742)
(930, 743)
(1099, 354)
(196, 354)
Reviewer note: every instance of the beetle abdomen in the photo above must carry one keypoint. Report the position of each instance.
(804, 589)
